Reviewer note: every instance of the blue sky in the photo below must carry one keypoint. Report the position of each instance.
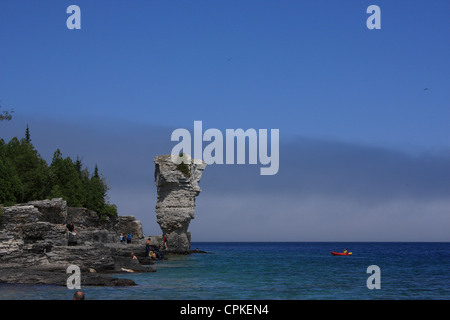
(340, 94)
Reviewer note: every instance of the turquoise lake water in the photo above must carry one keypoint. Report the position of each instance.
(280, 271)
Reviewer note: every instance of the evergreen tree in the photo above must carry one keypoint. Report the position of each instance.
(30, 167)
(56, 192)
(85, 181)
(25, 176)
(27, 135)
(78, 165)
(97, 195)
(96, 175)
(65, 180)
(11, 190)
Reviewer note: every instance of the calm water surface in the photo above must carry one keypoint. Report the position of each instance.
(278, 271)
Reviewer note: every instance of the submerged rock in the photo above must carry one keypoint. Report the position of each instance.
(175, 205)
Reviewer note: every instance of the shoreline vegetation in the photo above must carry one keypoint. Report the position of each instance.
(34, 246)
(25, 176)
(38, 202)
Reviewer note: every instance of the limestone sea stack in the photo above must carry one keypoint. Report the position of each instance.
(177, 187)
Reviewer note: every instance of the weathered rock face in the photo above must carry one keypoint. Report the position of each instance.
(33, 240)
(96, 230)
(176, 200)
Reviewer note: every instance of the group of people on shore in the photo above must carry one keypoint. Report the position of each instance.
(125, 239)
(153, 251)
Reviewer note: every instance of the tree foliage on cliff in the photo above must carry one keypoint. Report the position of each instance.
(25, 176)
(5, 115)
(183, 166)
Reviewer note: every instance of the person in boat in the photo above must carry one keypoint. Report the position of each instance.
(345, 250)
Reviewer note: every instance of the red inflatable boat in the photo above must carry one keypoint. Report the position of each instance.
(340, 253)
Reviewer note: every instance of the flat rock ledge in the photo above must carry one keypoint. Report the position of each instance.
(53, 275)
(34, 245)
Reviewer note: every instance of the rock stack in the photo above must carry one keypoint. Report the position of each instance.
(177, 189)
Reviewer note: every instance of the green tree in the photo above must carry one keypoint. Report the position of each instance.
(11, 190)
(78, 165)
(65, 181)
(183, 166)
(27, 135)
(25, 176)
(30, 167)
(97, 196)
(96, 175)
(56, 192)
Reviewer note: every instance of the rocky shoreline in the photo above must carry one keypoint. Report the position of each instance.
(34, 246)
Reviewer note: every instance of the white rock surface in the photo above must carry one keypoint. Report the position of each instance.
(176, 200)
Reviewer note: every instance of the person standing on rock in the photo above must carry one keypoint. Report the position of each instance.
(71, 234)
(147, 247)
(165, 241)
(71, 227)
